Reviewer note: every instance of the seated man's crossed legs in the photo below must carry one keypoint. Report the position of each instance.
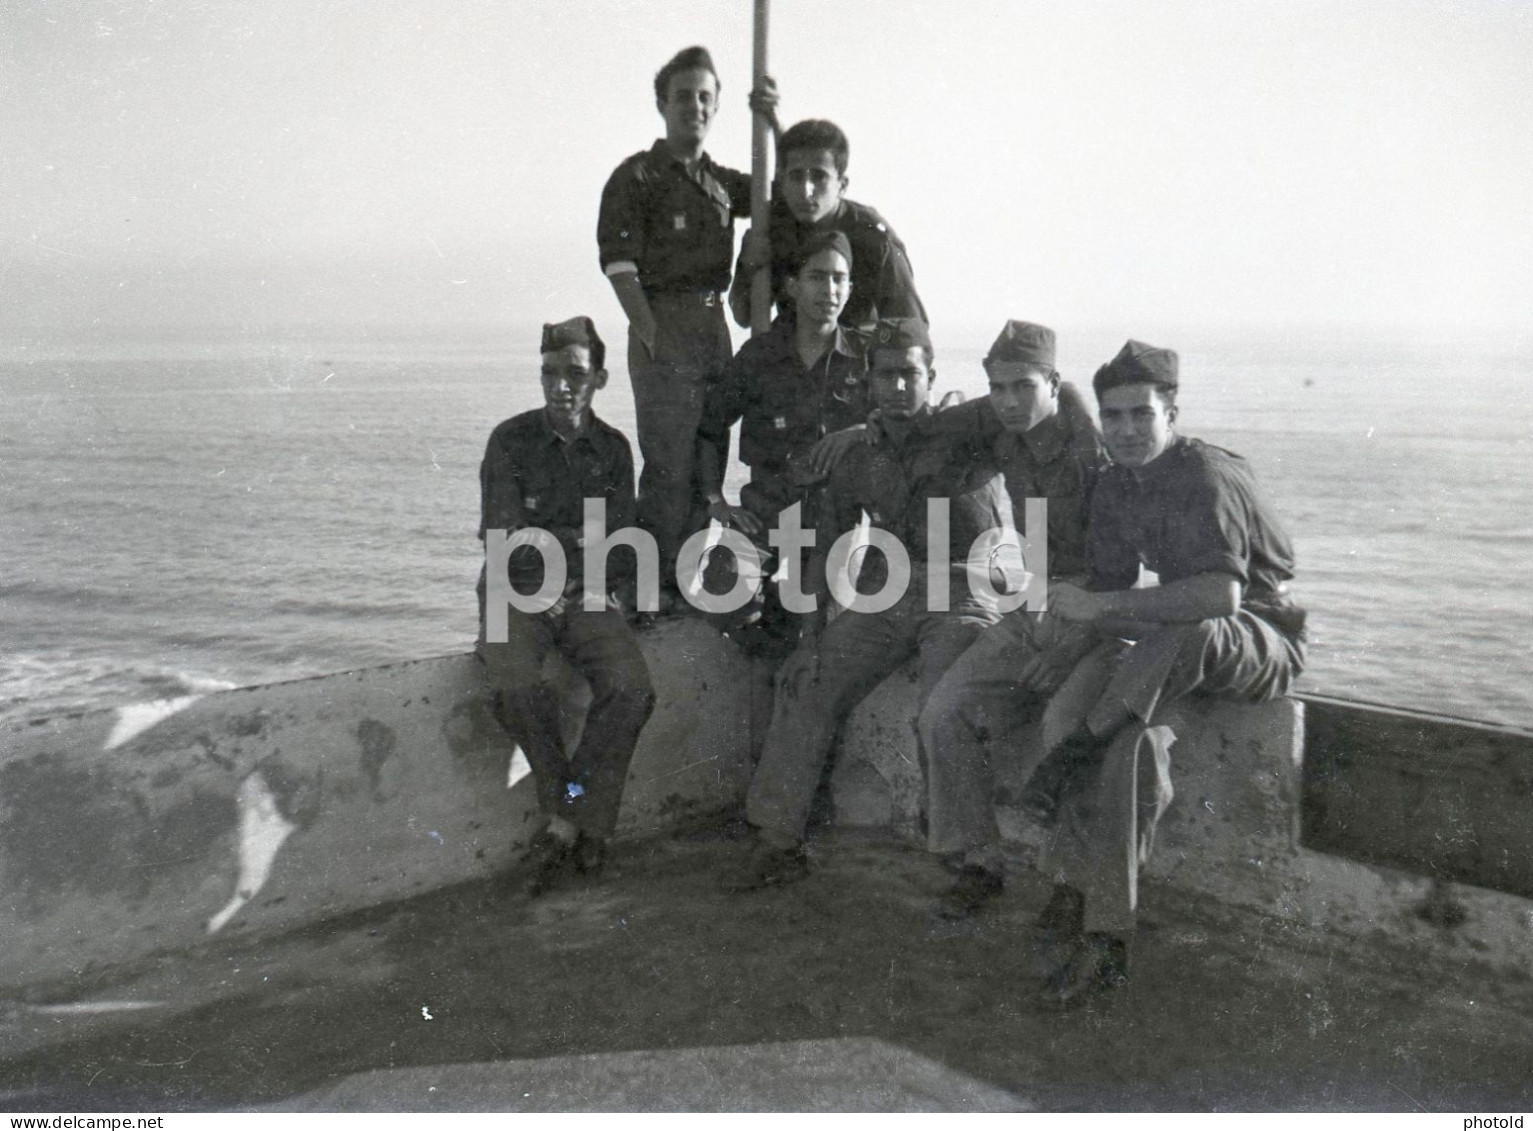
(1108, 823)
(1096, 764)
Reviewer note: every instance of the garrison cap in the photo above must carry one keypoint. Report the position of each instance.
(1137, 364)
(1026, 343)
(900, 334)
(577, 331)
(823, 241)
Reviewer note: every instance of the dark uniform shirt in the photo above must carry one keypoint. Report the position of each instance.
(1052, 462)
(533, 477)
(883, 284)
(1058, 460)
(783, 406)
(1195, 509)
(892, 480)
(676, 228)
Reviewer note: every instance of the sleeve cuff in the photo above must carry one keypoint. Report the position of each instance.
(621, 267)
(1218, 563)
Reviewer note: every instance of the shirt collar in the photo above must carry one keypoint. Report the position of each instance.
(1044, 441)
(782, 334)
(1161, 466)
(662, 157)
(552, 435)
(832, 223)
(919, 424)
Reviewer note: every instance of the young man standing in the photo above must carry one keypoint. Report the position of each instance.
(538, 470)
(1044, 454)
(938, 615)
(666, 240)
(811, 183)
(789, 388)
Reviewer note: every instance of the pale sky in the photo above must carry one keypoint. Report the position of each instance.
(422, 162)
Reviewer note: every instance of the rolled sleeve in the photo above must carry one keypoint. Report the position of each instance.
(619, 224)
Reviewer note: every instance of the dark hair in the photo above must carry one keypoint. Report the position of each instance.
(817, 242)
(815, 133)
(597, 349)
(687, 59)
(1163, 389)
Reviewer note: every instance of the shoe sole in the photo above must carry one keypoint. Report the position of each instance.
(1066, 1003)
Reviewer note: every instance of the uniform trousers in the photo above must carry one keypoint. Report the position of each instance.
(602, 648)
(829, 674)
(692, 350)
(1107, 829)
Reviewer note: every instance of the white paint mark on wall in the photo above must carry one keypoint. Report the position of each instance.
(134, 719)
(67, 1008)
(520, 768)
(263, 829)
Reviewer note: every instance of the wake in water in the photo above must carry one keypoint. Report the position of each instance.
(173, 521)
(34, 686)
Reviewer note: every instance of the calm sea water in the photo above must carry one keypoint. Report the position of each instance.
(184, 514)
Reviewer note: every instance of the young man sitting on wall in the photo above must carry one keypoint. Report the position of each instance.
(539, 469)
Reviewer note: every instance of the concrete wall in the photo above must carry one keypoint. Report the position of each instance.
(1236, 770)
(127, 832)
(1233, 832)
(1442, 797)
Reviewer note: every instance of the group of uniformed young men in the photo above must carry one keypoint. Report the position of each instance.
(834, 404)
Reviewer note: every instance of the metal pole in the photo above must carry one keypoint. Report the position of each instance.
(761, 177)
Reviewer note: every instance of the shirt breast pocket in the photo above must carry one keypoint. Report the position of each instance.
(540, 497)
(594, 477)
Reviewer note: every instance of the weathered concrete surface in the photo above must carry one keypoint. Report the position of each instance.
(1441, 797)
(848, 1074)
(1235, 767)
(1231, 835)
(124, 833)
(1228, 1010)
(129, 833)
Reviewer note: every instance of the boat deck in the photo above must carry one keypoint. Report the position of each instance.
(651, 989)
